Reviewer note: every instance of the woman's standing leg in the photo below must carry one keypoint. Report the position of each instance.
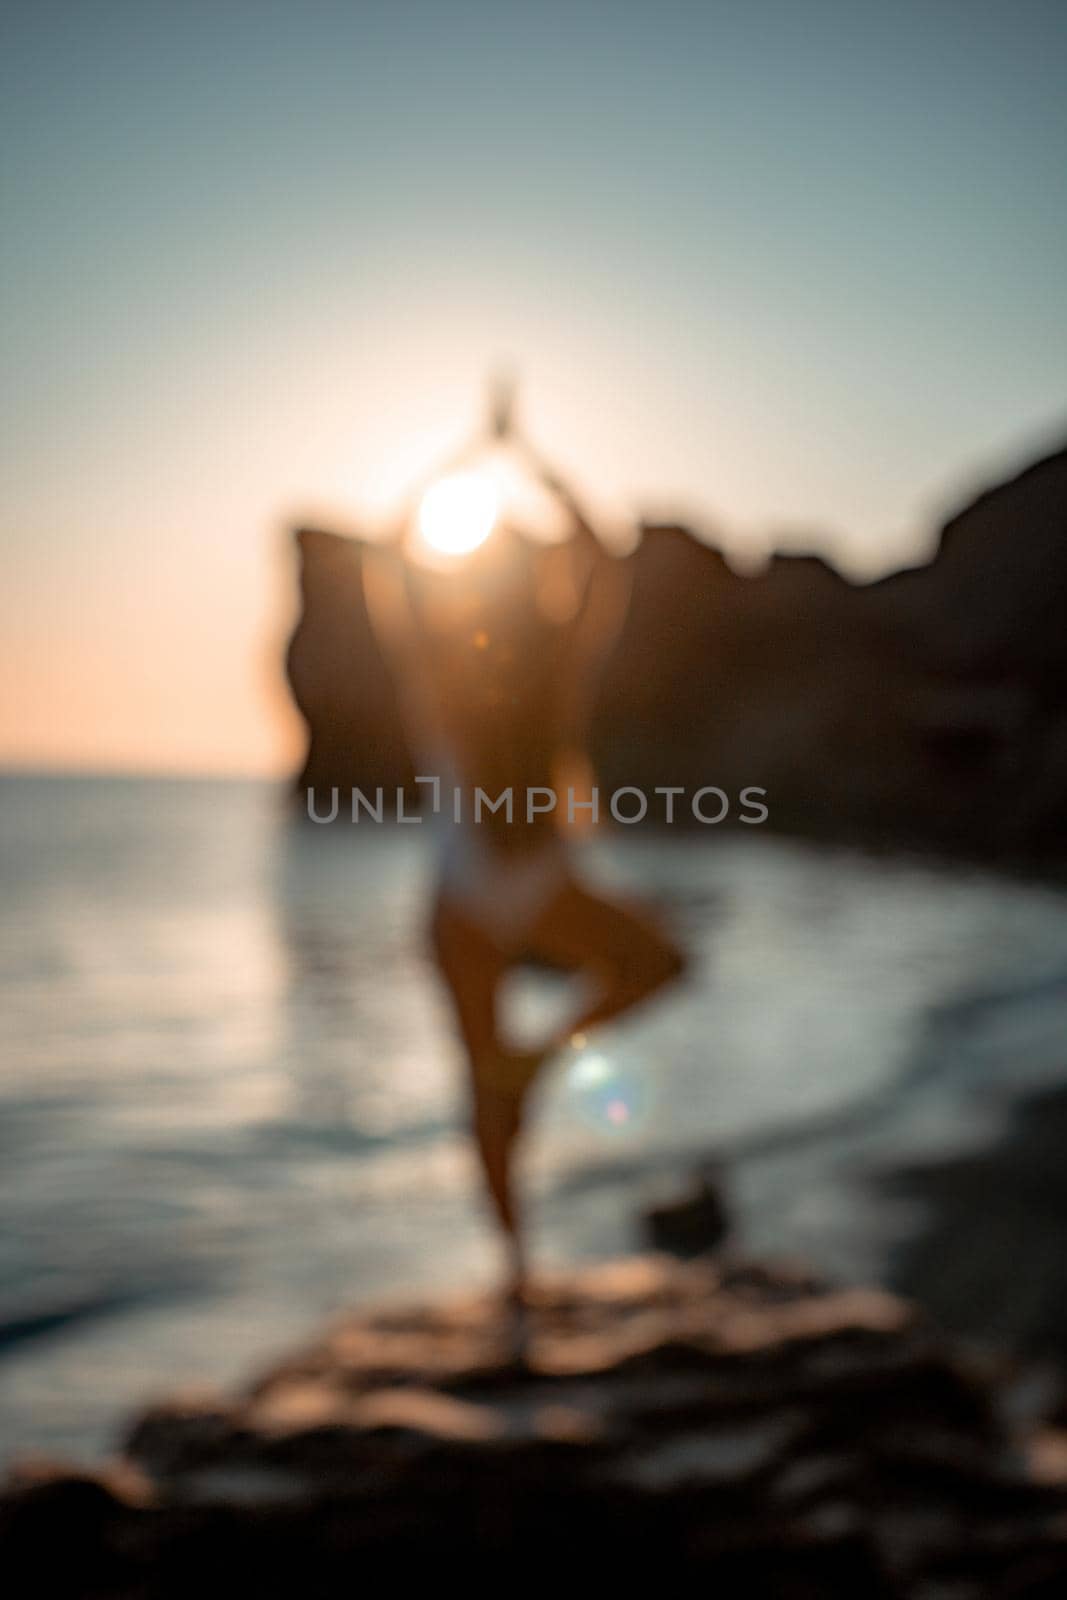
(473, 967)
(629, 959)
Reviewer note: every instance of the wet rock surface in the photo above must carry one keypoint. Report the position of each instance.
(716, 1419)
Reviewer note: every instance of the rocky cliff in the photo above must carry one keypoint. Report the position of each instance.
(926, 709)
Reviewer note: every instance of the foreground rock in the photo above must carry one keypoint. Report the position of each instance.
(727, 1422)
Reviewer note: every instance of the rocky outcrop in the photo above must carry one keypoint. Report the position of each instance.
(928, 709)
(731, 1422)
(994, 600)
(338, 678)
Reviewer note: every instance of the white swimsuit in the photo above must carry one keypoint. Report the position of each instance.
(504, 891)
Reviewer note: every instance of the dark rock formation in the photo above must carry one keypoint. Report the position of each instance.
(338, 678)
(695, 1223)
(927, 709)
(733, 1423)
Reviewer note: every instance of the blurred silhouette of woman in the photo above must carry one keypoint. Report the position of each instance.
(496, 657)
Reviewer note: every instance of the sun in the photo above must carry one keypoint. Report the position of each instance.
(457, 513)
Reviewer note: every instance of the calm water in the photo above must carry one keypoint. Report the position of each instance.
(229, 1086)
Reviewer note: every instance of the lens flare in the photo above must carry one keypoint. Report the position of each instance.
(606, 1095)
(457, 513)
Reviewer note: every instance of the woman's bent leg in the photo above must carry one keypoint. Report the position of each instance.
(628, 956)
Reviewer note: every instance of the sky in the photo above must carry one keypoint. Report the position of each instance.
(794, 272)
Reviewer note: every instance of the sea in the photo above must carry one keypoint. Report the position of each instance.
(231, 1095)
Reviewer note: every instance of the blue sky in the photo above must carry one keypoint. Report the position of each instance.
(794, 270)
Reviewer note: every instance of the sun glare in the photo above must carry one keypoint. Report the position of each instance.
(457, 513)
